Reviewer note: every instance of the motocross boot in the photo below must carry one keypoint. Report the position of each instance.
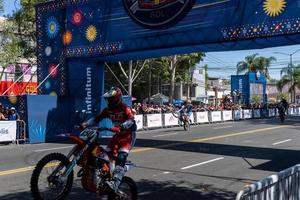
(116, 179)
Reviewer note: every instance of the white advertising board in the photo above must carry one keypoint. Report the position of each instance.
(8, 131)
(139, 121)
(170, 120)
(238, 114)
(154, 120)
(216, 116)
(202, 117)
(247, 114)
(227, 115)
(272, 112)
(256, 113)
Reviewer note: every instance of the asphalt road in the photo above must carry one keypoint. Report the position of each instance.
(211, 161)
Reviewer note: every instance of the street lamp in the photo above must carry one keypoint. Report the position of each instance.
(289, 54)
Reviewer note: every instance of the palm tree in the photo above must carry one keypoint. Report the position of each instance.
(1, 6)
(254, 63)
(291, 76)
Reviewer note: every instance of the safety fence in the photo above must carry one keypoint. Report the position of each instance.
(282, 186)
(149, 121)
(13, 131)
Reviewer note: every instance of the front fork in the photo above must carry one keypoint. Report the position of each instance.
(72, 164)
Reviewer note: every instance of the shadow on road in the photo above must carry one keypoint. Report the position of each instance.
(149, 190)
(280, 159)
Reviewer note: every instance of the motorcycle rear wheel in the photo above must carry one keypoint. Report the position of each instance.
(44, 164)
(186, 125)
(127, 187)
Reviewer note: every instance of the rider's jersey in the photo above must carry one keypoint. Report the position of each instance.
(189, 108)
(186, 109)
(118, 115)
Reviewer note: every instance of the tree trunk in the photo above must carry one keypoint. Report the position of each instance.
(130, 79)
(172, 78)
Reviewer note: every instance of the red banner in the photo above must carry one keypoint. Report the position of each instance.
(18, 88)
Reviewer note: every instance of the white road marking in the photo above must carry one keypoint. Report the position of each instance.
(40, 150)
(282, 142)
(222, 127)
(202, 163)
(164, 135)
(166, 172)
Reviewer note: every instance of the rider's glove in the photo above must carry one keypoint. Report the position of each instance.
(116, 129)
(83, 126)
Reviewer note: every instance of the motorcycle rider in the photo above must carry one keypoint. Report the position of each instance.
(125, 128)
(284, 103)
(283, 106)
(186, 109)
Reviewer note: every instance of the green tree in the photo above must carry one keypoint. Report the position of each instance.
(282, 96)
(22, 30)
(1, 6)
(254, 63)
(181, 62)
(291, 77)
(256, 99)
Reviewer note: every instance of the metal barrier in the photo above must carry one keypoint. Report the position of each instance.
(283, 186)
(21, 132)
(163, 120)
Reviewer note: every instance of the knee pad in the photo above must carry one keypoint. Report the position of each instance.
(121, 159)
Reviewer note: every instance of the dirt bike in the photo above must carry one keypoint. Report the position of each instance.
(185, 119)
(282, 114)
(96, 167)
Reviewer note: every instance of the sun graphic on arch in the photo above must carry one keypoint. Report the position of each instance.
(274, 7)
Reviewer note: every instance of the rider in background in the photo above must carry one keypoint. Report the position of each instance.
(125, 128)
(284, 103)
(186, 109)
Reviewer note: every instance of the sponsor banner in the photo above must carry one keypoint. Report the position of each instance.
(8, 130)
(256, 113)
(202, 117)
(247, 114)
(227, 115)
(154, 120)
(192, 118)
(216, 116)
(277, 112)
(238, 114)
(139, 121)
(291, 111)
(170, 120)
(297, 111)
(272, 112)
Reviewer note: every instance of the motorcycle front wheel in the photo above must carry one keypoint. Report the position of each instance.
(186, 125)
(46, 187)
(128, 190)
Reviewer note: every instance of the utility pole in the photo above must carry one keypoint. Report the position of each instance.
(290, 69)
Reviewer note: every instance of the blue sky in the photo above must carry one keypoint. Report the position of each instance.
(9, 6)
(223, 64)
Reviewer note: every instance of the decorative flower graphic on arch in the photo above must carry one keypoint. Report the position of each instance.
(13, 99)
(48, 51)
(52, 27)
(91, 33)
(274, 8)
(52, 70)
(53, 93)
(77, 17)
(67, 38)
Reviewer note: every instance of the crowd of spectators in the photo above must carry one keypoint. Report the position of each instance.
(8, 113)
(226, 104)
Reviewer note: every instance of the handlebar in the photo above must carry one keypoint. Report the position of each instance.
(95, 128)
